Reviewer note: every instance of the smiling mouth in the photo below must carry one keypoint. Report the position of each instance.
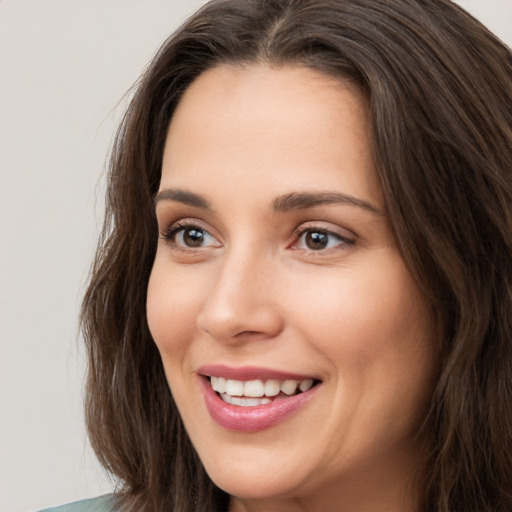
(257, 392)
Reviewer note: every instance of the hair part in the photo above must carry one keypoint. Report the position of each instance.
(439, 92)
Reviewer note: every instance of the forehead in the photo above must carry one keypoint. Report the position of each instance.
(276, 125)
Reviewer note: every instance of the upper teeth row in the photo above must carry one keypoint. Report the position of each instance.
(258, 388)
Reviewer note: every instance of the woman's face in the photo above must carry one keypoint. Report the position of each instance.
(277, 281)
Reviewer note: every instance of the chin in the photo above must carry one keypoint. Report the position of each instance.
(252, 488)
(255, 481)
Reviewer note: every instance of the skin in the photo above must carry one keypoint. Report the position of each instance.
(253, 292)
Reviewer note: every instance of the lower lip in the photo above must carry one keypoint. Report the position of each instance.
(255, 418)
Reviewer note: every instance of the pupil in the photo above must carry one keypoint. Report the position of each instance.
(316, 240)
(193, 237)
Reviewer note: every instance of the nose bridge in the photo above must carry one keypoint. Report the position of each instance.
(240, 301)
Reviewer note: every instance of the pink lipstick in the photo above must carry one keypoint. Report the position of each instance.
(280, 395)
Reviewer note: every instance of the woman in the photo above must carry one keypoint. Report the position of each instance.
(302, 295)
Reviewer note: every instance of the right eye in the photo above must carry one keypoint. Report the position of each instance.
(189, 236)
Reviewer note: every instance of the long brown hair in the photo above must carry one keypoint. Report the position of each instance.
(439, 89)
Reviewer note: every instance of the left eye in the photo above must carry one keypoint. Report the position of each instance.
(191, 237)
(318, 240)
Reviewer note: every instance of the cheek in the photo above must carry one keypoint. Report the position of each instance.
(374, 327)
(172, 308)
(374, 309)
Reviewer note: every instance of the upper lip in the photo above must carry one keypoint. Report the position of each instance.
(245, 373)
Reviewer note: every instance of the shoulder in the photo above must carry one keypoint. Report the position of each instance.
(100, 504)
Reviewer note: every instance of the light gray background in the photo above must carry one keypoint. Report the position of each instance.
(64, 67)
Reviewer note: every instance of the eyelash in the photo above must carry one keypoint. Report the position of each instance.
(169, 237)
(344, 242)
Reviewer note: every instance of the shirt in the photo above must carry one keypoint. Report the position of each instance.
(99, 504)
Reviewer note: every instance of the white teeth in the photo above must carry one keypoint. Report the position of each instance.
(272, 387)
(221, 383)
(235, 400)
(250, 402)
(244, 402)
(257, 389)
(254, 388)
(218, 384)
(289, 387)
(234, 387)
(306, 384)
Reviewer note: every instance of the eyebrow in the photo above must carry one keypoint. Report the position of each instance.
(284, 203)
(182, 196)
(304, 200)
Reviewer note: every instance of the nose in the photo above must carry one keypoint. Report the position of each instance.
(243, 304)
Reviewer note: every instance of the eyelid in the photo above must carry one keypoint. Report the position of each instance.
(170, 230)
(345, 241)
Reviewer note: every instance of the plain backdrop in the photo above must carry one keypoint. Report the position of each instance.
(65, 66)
